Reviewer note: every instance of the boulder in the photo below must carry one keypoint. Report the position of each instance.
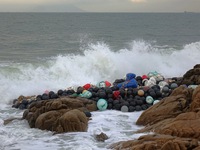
(157, 142)
(101, 137)
(64, 114)
(177, 115)
(192, 76)
(174, 120)
(72, 121)
(169, 107)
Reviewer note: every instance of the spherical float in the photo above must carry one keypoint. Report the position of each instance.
(124, 108)
(140, 92)
(149, 100)
(102, 104)
(156, 101)
(165, 89)
(173, 86)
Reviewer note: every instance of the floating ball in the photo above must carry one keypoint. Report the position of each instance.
(135, 92)
(173, 85)
(138, 108)
(110, 100)
(110, 106)
(144, 107)
(60, 92)
(162, 84)
(149, 100)
(116, 102)
(124, 108)
(87, 86)
(116, 94)
(108, 90)
(131, 108)
(54, 96)
(158, 94)
(45, 96)
(156, 101)
(140, 92)
(192, 86)
(79, 90)
(101, 84)
(152, 94)
(139, 102)
(144, 77)
(139, 78)
(102, 94)
(102, 104)
(86, 94)
(108, 84)
(165, 89)
(117, 106)
(133, 103)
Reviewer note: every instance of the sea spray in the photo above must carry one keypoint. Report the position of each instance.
(97, 62)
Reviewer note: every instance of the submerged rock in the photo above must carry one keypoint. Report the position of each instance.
(101, 137)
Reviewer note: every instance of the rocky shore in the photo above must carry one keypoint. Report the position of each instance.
(174, 121)
(171, 109)
(60, 115)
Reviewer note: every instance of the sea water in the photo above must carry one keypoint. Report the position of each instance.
(52, 51)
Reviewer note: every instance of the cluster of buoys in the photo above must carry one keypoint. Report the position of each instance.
(22, 102)
(122, 95)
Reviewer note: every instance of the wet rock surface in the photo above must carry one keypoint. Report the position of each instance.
(60, 115)
(174, 120)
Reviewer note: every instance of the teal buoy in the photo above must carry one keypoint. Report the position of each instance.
(102, 104)
(86, 94)
(101, 84)
(149, 99)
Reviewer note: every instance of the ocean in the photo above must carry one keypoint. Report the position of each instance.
(52, 51)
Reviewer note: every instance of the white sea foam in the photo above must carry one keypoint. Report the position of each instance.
(118, 126)
(98, 62)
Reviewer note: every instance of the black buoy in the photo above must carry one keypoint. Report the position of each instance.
(60, 92)
(131, 109)
(138, 108)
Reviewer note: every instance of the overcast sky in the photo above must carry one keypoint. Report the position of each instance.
(99, 5)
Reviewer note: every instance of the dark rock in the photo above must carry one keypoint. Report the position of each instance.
(60, 115)
(15, 101)
(22, 106)
(101, 137)
(88, 114)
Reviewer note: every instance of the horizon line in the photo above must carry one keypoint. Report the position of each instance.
(87, 12)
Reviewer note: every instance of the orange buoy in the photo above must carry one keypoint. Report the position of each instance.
(140, 92)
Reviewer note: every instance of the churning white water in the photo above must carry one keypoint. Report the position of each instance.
(97, 62)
